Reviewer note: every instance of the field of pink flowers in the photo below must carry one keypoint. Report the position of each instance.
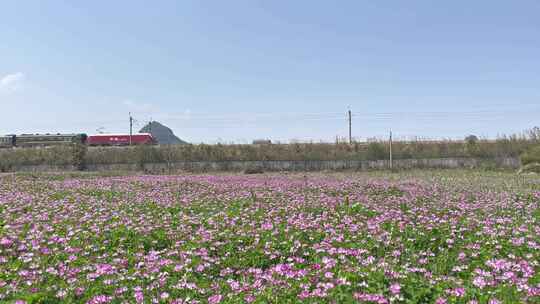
(267, 239)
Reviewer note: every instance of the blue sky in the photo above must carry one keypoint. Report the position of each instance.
(239, 70)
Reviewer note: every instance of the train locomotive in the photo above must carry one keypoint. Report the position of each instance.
(120, 139)
(47, 140)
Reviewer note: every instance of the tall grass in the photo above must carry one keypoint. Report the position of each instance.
(53, 156)
(530, 156)
(512, 146)
(356, 151)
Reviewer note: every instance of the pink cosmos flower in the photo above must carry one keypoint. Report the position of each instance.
(200, 268)
(139, 297)
(395, 288)
(6, 242)
(479, 282)
(215, 299)
(100, 299)
(304, 294)
(458, 292)
(376, 298)
(441, 301)
(267, 226)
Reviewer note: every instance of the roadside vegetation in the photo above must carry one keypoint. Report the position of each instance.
(472, 147)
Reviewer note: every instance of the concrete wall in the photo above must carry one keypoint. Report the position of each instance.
(237, 166)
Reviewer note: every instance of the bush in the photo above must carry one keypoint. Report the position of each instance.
(79, 156)
(376, 151)
(532, 155)
(512, 146)
(146, 154)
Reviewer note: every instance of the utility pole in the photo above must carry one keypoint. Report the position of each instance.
(350, 127)
(130, 127)
(391, 164)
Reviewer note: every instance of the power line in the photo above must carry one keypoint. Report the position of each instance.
(244, 119)
(336, 116)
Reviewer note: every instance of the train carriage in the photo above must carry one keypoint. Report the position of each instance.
(47, 140)
(121, 139)
(44, 140)
(7, 141)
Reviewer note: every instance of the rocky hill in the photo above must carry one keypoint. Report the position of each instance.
(162, 134)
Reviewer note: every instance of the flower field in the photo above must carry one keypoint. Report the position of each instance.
(269, 239)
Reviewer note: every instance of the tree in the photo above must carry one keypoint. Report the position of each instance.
(471, 145)
(376, 151)
(78, 156)
(471, 139)
(534, 134)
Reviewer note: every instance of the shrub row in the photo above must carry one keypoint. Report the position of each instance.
(79, 156)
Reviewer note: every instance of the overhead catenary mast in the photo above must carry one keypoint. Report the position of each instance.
(130, 128)
(350, 126)
(391, 156)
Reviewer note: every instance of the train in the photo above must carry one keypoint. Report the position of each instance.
(121, 139)
(47, 140)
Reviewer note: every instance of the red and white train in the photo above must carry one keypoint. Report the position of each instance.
(46, 140)
(120, 139)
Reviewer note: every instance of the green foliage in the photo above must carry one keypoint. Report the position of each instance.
(471, 145)
(532, 155)
(146, 154)
(157, 240)
(81, 157)
(53, 156)
(376, 151)
(78, 155)
(357, 209)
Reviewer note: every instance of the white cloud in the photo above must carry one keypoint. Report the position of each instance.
(12, 82)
